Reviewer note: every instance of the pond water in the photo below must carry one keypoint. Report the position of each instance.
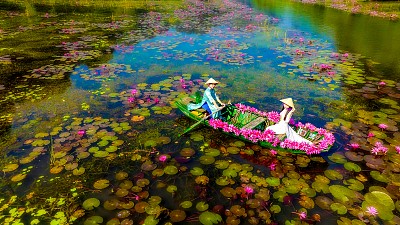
(90, 133)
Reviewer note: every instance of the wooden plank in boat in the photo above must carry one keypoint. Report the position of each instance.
(254, 123)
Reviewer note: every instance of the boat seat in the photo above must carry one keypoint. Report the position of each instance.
(254, 123)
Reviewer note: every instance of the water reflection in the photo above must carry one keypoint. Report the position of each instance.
(372, 37)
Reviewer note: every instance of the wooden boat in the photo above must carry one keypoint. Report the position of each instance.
(248, 124)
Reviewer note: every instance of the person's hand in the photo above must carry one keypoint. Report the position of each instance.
(293, 109)
(223, 104)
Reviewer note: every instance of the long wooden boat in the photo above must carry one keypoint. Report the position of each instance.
(248, 124)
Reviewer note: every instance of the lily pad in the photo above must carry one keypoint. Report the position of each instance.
(212, 152)
(94, 220)
(171, 170)
(91, 203)
(207, 160)
(177, 215)
(221, 164)
(339, 208)
(202, 206)
(186, 204)
(101, 184)
(197, 137)
(197, 171)
(350, 166)
(10, 167)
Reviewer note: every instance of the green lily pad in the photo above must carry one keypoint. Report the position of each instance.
(197, 137)
(212, 152)
(337, 158)
(154, 200)
(78, 172)
(354, 184)
(150, 220)
(273, 181)
(221, 164)
(342, 193)
(91, 203)
(171, 170)
(209, 218)
(150, 143)
(101, 184)
(207, 160)
(350, 166)
(93, 220)
(333, 175)
(379, 177)
(186, 204)
(222, 181)
(339, 208)
(101, 154)
(275, 209)
(233, 150)
(172, 188)
(197, 171)
(202, 206)
(230, 173)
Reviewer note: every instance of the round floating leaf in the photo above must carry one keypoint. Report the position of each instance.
(126, 184)
(337, 158)
(10, 167)
(177, 215)
(275, 209)
(121, 175)
(172, 188)
(186, 204)
(150, 220)
(101, 184)
(342, 193)
(140, 207)
(378, 197)
(222, 181)
(93, 220)
(148, 166)
(379, 177)
(158, 172)
(207, 160)
(209, 218)
(339, 208)
(111, 204)
(333, 175)
(122, 192)
(354, 184)
(323, 202)
(171, 170)
(202, 206)
(164, 140)
(153, 209)
(221, 164)
(71, 166)
(115, 221)
(197, 137)
(142, 182)
(197, 171)
(78, 172)
(123, 214)
(233, 150)
(154, 200)
(350, 166)
(273, 181)
(238, 144)
(91, 203)
(228, 192)
(253, 203)
(212, 152)
(150, 143)
(230, 173)
(187, 152)
(101, 154)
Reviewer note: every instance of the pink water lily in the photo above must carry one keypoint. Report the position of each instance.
(354, 145)
(383, 126)
(372, 210)
(397, 149)
(302, 215)
(248, 190)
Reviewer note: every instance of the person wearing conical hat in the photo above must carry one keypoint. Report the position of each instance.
(282, 127)
(210, 101)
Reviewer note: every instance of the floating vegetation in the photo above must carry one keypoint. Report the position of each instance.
(116, 158)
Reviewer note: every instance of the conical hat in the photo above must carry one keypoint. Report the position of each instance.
(288, 101)
(212, 81)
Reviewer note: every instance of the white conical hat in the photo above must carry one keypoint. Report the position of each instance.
(288, 101)
(212, 81)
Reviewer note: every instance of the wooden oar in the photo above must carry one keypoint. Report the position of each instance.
(198, 122)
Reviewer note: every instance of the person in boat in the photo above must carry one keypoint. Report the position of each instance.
(210, 102)
(282, 127)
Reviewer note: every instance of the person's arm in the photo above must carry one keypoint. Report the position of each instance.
(221, 103)
(289, 115)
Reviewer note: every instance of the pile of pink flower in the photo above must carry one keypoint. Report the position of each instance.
(269, 136)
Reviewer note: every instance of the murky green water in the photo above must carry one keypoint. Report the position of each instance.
(90, 134)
